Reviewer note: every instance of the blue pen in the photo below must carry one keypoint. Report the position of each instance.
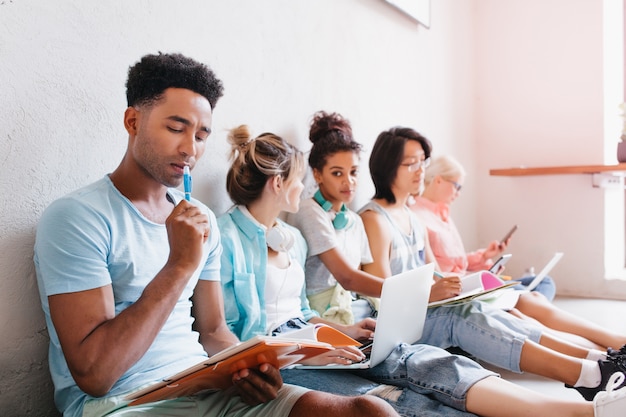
(187, 182)
(438, 274)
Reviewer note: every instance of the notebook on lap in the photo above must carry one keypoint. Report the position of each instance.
(401, 315)
(507, 299)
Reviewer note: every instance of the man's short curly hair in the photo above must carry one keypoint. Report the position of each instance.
(153, 74)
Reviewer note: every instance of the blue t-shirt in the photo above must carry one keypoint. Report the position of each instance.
(95, 237)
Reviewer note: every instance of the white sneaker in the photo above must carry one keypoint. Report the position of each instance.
(612, 402)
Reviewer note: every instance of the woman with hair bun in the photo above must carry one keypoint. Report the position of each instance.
(262, 280)
(335, 235)
(262, 258)
(419, 373)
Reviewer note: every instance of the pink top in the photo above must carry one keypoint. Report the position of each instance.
(445, 241)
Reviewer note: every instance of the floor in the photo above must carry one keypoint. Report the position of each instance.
(608, 313)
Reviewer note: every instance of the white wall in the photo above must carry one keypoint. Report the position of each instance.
(539, 85)
(62, 78)
(498, 83)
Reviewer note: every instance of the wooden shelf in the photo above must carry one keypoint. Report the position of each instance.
(574, 169)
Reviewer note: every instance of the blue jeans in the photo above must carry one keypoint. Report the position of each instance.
(485, 332)
(546, 286)
(417, 380)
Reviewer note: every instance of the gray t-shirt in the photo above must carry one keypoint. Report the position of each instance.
(317, 228)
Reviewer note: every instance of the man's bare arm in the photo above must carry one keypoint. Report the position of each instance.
(208, 310)
(100, 346)
(255, 386)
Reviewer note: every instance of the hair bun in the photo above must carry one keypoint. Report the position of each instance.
(239, 136)
(323, 123)
(239, 139)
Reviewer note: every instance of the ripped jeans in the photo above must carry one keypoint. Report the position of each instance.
(417, 380)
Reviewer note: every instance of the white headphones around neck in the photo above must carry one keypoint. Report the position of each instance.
(279, 238)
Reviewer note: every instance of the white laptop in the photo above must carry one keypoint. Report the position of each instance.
(401, 316)
(545, 271)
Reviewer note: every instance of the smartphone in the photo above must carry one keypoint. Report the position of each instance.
(509, 234)
(500, 263)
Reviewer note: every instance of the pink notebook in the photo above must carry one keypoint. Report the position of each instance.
(474, 285)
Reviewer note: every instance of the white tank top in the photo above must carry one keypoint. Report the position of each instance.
(283, 288)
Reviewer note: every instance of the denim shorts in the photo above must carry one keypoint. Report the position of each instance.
(489, 334)
(416, 380)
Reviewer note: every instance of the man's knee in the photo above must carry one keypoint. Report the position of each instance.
(371, 405)
(316, 403)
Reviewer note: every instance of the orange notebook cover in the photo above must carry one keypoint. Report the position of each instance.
(215, 373)
(321, 333)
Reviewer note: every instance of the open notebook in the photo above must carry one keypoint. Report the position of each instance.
(506, 300)
(216, 371)
(474, 285)
(401, 316)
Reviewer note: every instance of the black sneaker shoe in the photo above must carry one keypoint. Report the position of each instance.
(607, 368)
(613, 352)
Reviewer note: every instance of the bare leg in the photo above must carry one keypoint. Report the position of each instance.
(543, 361)
(553, 342)
(493, 397)
(575, 339)
(569, 337)
(316, 404)
(538, 307)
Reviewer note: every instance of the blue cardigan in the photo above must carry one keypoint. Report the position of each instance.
(243, 273)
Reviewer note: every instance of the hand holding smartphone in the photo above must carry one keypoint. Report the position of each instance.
(497, 267)
(508, 235)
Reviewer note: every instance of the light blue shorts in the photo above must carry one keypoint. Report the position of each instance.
(208, 404)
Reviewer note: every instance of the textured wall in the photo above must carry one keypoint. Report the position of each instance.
(62, 100)
(62, 74)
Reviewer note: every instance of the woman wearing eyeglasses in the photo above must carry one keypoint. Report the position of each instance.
(263, 282)
(398, 242)
(442, 184)
(443, 180)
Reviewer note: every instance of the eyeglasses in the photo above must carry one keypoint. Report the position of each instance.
(417, 165)
(455, 184)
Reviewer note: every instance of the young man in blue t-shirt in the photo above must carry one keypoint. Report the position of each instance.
(120, 262)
